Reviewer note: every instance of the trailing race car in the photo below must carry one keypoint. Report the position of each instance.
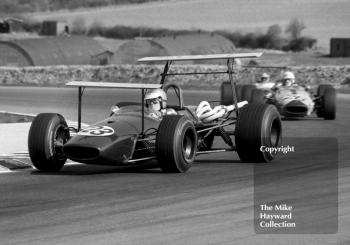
(291, 101)
(298, 101)
(131, 135)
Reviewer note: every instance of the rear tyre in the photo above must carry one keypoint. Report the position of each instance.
(239, 89)
(226, 97)
(226, 94)
(322, 88)
(258, 126)
(329, 104)
(258, 96)
(176, 144)
(47, 135)
(247, 92)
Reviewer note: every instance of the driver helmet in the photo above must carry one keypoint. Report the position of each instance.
(288, 78)
(156, 99)
(264, 78)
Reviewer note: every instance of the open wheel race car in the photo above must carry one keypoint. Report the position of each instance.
(298, 101)
(130, 136)
(291, 102)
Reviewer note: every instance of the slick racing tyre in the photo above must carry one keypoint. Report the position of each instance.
(320, 92)
(328, 103)
(239, 89)
(47, 135)
(176, 144)
(257, 97)
(247, 92)
(322, 88)
(257, 125)
(226, 96)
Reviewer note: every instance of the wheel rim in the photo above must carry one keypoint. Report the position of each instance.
(60, 138)
(188, 146)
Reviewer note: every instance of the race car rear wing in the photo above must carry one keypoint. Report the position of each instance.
(113, 85)
(81, 85)
(230, 62)
(200, 57)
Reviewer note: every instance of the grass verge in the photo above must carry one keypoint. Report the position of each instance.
(6, 117)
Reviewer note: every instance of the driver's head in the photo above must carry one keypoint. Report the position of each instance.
(264, 78)
(156, 99)
(288, 78)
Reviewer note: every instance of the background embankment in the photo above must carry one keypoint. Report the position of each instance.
(59, 75)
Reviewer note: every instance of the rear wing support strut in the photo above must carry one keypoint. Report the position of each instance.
(230, 62)
(80, 95)
(165, 72)
(233, 83)
(143, 112)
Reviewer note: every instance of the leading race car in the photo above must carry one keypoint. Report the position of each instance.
(132, 135)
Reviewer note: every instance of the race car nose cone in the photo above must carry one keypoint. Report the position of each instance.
(78, 152)
(295, 108)
(100, 150)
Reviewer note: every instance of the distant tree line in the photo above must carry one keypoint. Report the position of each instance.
(21, 6)
(289, 39)
(273, 38)
(122, 32)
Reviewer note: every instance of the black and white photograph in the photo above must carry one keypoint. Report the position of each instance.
(174, 122)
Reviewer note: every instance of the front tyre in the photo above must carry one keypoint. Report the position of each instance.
(176, 144)
(47, 135)
(258, 125)
(329, 104)
(320, 93)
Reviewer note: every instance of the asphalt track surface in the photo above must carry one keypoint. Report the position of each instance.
(210, 204)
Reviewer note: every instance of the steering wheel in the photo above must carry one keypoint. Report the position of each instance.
(178, 92)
